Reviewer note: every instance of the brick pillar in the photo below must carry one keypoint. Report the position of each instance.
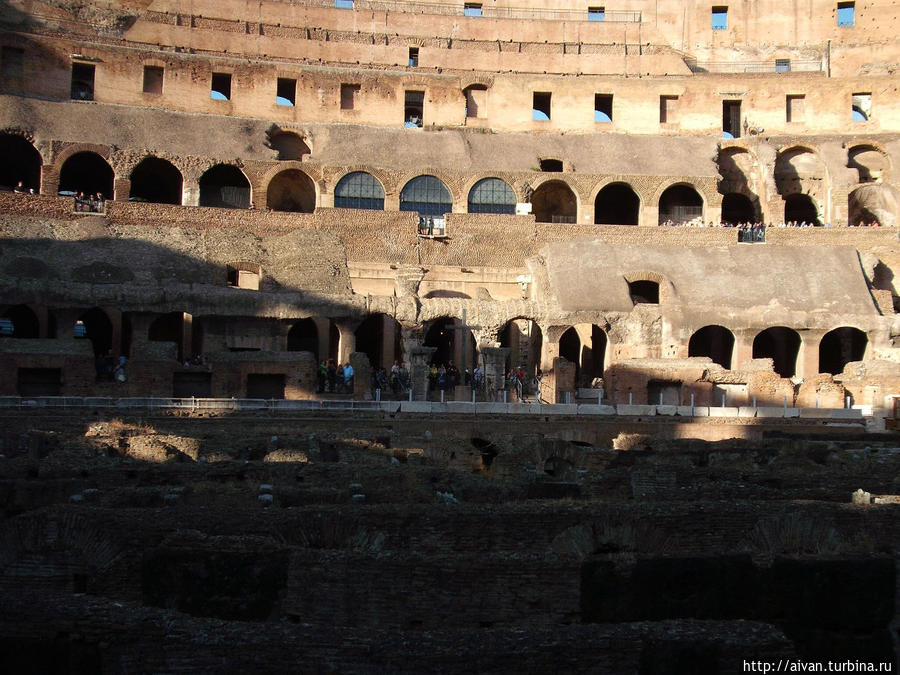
(494, 368)
(808, 359)
(49, 180)
(190, 194)
(121, 189)
(388, 338)
(323, 330)
(419, 359)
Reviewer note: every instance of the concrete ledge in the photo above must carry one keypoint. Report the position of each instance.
(746, 411)
(559, 409)
(792, 412)
(846, 414)
(491, 408)
(529, 409)
(723, 412)
(415, 406)
(692, 411)
(815, 413)
(770, 412)
(460, 407)
(668, 410)
(589, 409)
(390, 406)
(636, 410)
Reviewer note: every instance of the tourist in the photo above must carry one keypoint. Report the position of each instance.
(348, 378)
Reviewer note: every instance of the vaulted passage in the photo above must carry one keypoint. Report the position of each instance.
(780, 344)
(156, 180)
(617, 204)
(737, 208)
(716, 342)
(379, 338)
(680, 204)
(443, 334)
(839, 347)
(225, 186)
(86, 172)
(291, 190)
(801, 208)
(523, 338)
(554, 202)
(95, 326)
(20, 322)
(21, 163)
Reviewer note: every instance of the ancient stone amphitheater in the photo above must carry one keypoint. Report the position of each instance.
(678, 220)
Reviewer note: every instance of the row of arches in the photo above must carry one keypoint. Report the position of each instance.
(379, 337)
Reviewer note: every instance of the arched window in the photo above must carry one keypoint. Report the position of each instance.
(21, 163)
(680, 204)
(225, 186)
(86, 172)
(617, 204)
(291, 190)
(156, 180)
(780, 344)
(491, 195)
(426, 195)
(359, 190)
(716, 342)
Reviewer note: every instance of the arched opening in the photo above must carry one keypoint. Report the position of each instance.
(570, 346)
(225, 186)
(21, 164)
(95, 326)
(86, 172)
(476, 100)
(523, 338)
(644, 292)
(873, 203)
(780, 344)
(869, 163)
(304, 337)
(554, 202)
(492, 195)
(442, 293)
(168, 328)
(443, 333)
(427, 196)
(716, 342)
(801, 208)
(737, 208)
(156, 180)
(593, 356)
(20, 322)
(378, 336)
(680, 204)
(617, 204)
(839, 347)
(359, 190)
(291, 190)
(289, 146)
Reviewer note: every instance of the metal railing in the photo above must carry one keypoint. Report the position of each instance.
(752, 66)
(609, 16)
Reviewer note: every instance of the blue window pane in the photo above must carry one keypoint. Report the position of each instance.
(472, 10)
(492, 195)
(359, 190)
(859, 115)
(720, 18)
(600, 116)
(727, 134)
(343, 4)
(846, 14)
(539, 116)
(217, 96)
(281, 100)
(596, 14)
(427, 195)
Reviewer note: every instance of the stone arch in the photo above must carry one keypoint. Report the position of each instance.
(86, 172)
(799, 169)
(554, 201)
(378, 336)
(441, 333)
(359, 190)
(290, 145)
(156, 180)
(666, 291)
(801, 207)
(225, 186)
(491, 195)
(427, 195)
(524, 339)
(716, 342)
(739, 208)
(97, 327)
(21, 162)
(312, 334)
(874, 202)
(782, 345)
(871, 162)
(681, 202)
(24, 322)
(291, 190)
(839, 347)
(617, 203)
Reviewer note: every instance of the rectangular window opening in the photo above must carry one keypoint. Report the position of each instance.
(413, 57)
(731, 119)
(286, 93)
(596, 13)
(846, 13)
(782, 65)
(475, 101)
(720, 17)
(667, 106)
(603, 107)
(414, 108)
(541, 106)
(861, 105)
(83, 81)
(153, 79)
(343, 4)
(348, 96)
(12, 62)
(472, 9)
(795, 105)
(220, 90)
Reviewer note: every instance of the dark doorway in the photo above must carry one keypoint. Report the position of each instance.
(379, 338)
(716, 342)
(39, 382)
(780, 344)
(737, 208)
(86, 172)
(680, 204)
(799, 208)
(265, 385)
(25, 323)
(95, 326)
(225, 186)
(21, 163)
(156, 180)
(186, 385)
(839, 347)
(293, 191)
(554, 202)
(304, 337)
(617, 204)
(168, 328)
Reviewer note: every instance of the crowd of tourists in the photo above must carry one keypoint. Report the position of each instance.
(397, 381)
(334, 378)
(89, 203)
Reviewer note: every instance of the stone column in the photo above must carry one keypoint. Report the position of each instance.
(494, 368)
(190, 194)
(743, 349)
(419, 360)
(808, 358)
(323, 330)
(347, 344)
(388, 338)
(121, 189)
(49, 181)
